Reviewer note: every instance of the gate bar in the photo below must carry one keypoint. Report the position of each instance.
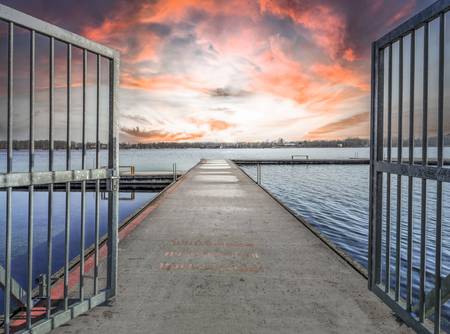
(50, 186)
(7, 300)
(97, 183)
(379, 156)
(440, 141)
(410, 178)
(83, 183)
(68, 165)
(31, 187)
(387, 274)
(399, 178)
(423, 236)
(113, 164)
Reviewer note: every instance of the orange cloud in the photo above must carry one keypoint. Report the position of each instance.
(349, 55)
(347, 125)
(213, 124)
(337, 74)
(218, 125)
(315, 87)
(160, 136)
(158, 82)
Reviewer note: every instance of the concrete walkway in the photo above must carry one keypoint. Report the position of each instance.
(219, 255)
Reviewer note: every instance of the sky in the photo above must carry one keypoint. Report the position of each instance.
(236, 70)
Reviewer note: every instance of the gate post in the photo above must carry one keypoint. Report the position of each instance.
(113, 165)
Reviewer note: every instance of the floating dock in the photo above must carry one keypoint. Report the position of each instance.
(129, 182)
(308, 161)
(302, 162)
(215, 253)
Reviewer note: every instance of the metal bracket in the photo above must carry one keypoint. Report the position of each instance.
(113, 183)
(41, 280)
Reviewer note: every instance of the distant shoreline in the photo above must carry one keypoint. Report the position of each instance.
(280, 143)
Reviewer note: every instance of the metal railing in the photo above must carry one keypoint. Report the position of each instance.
(258, 174)
(407, 118)
(45, 313)
(300, 155)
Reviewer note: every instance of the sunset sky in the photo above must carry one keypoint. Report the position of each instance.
(236, 70)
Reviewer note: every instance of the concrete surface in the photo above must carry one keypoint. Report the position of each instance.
(219, 255)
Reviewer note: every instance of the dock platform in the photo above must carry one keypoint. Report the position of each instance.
(218, 254)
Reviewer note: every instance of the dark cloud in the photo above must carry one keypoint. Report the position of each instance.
(159, 135)
(138, 119)
(228, 92)
(69, 14)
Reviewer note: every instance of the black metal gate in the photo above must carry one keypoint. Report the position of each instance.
(410, 135)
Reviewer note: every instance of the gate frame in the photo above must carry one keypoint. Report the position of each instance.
(379, 166)
(10, 179)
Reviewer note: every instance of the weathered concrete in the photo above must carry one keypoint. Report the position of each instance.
(219, 255)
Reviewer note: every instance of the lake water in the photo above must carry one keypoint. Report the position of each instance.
(162, 159)
(20, 228)
(334, 199)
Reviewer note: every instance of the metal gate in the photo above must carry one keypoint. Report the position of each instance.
(61, 294)
(409, 197)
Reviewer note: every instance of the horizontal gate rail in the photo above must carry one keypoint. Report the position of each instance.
(414, 23)
(424, 172)
(41, 178)
(40, 312)
(29, 22)
(405, 251)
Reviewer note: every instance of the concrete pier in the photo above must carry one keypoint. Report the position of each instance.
(220, 255)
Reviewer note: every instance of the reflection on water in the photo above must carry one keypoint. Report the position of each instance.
(127, 207)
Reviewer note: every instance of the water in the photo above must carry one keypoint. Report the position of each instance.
(20, 228)
(334, 199)
(162, 159)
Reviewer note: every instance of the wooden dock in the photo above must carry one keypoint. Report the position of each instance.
(217, 254)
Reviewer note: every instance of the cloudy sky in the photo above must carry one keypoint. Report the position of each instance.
(236, 70)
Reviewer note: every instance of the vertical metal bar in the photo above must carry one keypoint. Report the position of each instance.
(372, 163)
(68, 166)
(258, 174)
(388, 186)
(423, 227)
(83, 184)
(113, 164)
(50, 168)
(7, 291)
(410, 179)
(31, 189)
(440, 142)
(398, 258)
(174, 168)
(97, 182)
(379, 155)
